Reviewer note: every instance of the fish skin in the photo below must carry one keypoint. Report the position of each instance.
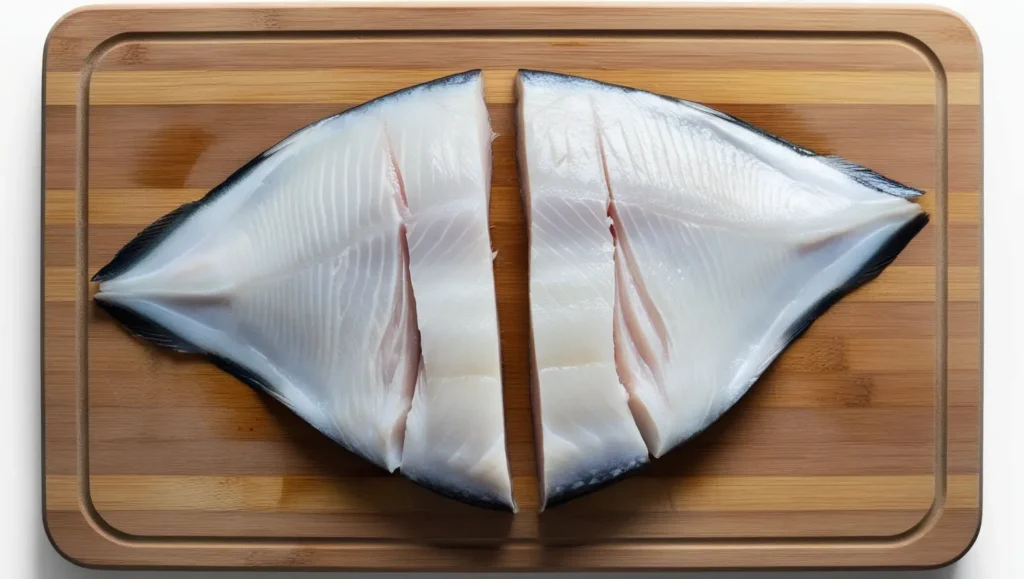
(300, 275)
(728, 243)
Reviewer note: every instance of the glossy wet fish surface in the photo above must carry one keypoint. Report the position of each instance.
(675, 252)
(347, 272)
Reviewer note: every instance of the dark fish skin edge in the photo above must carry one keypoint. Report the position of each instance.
(607, 478)
(474, 500)
(155, 233)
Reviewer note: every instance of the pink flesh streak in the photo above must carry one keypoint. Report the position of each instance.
(400, 355)
(637, 343)
(639, 334)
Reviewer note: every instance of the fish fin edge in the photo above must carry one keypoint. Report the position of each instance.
(871, 269)
(145, 241)
(159, 230)
(144, 328)
(869, 178)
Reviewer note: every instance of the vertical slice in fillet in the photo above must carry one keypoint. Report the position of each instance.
(455, 435)
(325, 272)
(728, 243)
(585, 434)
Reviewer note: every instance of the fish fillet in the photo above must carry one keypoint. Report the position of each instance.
(347, 272)
(585, 434)
(682, 247)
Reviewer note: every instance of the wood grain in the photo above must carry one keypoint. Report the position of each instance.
(142, 87)
(860, 446)
(197, 161)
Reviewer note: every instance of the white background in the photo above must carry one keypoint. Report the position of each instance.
(24, 550)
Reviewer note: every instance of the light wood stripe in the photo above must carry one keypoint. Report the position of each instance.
(355, 85)
(107, 206)
(394, 494)
(916, 283)
(198, 145)
(898, 283)
(647, 52)
(897, 354)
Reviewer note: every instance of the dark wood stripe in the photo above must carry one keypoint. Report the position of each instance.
(199, 145)
(566, 525)
(654, 52)
(805, 458)
(193, 383)
(765, 442)
(770, 425)
(553, 526)
(452, 525)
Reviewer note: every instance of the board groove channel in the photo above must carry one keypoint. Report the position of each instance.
(133, 165)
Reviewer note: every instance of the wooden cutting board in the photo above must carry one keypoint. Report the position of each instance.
(860, 447)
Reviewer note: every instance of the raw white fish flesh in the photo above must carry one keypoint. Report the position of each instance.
(347, 272)
(675, 252)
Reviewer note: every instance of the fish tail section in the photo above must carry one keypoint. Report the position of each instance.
(872, 268)
(888, 252)
(145, 241)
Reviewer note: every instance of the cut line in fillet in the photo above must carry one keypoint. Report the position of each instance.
(724, 243)
(585, 434)
(322, 273)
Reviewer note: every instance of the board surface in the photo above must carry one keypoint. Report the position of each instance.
(859, 447)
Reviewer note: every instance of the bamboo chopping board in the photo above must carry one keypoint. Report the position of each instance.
(860, 447)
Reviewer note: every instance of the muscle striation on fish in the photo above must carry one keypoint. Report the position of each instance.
(347, 272)
(675, 252)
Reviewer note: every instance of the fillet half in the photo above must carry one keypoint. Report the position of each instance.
(347, 272)
(675, 252)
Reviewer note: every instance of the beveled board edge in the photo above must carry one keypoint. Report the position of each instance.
(940, 538)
